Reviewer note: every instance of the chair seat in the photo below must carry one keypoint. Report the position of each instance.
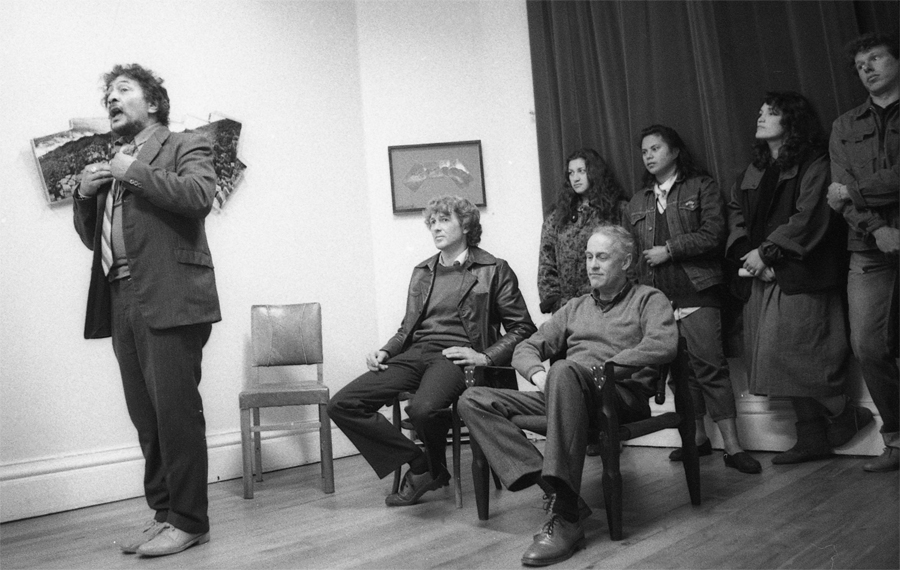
(284, 394)
(538, 424)
(667, 420)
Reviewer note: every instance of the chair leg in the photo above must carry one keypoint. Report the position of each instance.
(457, 436)
(257, 447)
(690, 459)
(610, 447)
(247, 453)
(480, 476)
(325, 451)
(612, 485)
(397, 474)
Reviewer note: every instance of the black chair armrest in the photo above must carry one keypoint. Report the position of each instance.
(612, 370)
(492, 377)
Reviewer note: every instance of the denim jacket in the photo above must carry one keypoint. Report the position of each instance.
(491, 298)
(870, 170)
(695, 214)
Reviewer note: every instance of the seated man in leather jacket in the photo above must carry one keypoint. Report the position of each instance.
(457, 302)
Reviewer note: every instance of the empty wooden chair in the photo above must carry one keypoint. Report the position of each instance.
(284, 335)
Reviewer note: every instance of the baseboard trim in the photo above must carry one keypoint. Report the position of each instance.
(52, 485)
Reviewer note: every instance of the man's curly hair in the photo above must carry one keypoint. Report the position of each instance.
(468, 214)
(869, 41)
(151, 84)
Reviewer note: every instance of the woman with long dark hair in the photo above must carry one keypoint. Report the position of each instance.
(790, 244)
(678, 221)
(589, 196)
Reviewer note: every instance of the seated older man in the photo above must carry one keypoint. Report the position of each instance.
(631, 325)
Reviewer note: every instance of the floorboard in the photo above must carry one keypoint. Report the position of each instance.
(825, 514)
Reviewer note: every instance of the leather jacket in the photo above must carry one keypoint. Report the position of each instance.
(491, 298)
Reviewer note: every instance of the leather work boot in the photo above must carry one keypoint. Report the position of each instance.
(557, 541)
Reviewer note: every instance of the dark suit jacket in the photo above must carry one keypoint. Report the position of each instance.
(169, 190)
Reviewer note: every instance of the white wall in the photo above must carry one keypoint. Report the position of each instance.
(441, 72)
(322, 88)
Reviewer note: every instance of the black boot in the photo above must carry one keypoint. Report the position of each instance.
(812, 443)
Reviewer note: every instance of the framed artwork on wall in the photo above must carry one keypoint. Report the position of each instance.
(420, 172)
(62, 156)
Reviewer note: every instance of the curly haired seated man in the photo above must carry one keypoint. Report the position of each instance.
(631, 325)
(457, 302)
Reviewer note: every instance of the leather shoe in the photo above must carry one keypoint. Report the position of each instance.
(743, 462)
(132, 542)
(414, 486)
(557, 541)
(170, 541)
(704, 448)
(887, 461)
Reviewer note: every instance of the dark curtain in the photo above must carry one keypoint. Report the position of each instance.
(603, 70)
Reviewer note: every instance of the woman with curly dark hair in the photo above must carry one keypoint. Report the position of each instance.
(790, 243)
(589, 196)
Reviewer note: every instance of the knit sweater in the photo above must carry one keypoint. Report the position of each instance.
(638, 330)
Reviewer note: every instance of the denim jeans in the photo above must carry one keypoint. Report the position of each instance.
(710, 381)
(872, 292)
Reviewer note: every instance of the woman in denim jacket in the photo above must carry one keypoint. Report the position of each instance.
(679, 225)
(590, 195)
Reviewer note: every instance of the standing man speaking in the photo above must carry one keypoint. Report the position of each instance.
(153, 290)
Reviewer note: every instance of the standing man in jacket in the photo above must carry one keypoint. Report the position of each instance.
(865, 148)
(153, 290)
(457, 302)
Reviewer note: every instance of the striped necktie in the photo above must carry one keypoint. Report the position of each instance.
(106, 253)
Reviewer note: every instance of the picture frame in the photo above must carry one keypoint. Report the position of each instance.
(420, 172)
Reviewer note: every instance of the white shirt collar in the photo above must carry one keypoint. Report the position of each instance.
(667, 185)
(461, 258)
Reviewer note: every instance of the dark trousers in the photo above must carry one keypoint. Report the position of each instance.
(437, 383)
(160, 374)
(487, 413)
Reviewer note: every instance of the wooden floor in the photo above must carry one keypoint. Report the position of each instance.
(825, 514)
